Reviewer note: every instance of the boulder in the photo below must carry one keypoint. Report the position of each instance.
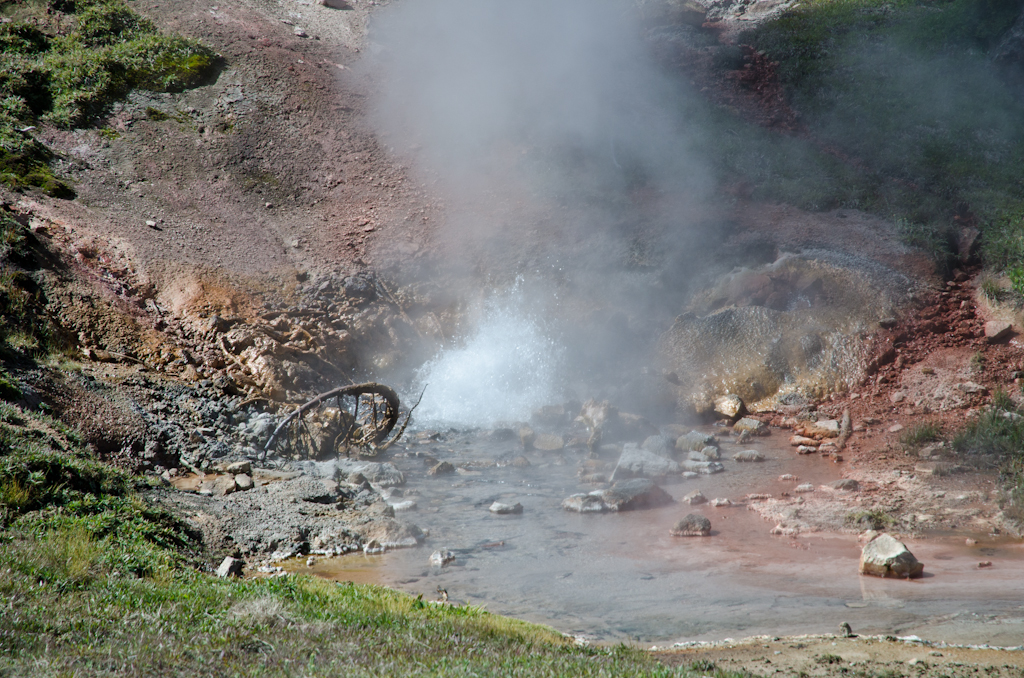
(627, 495)
(380, 474)
(706, 454)
(696, 441)
(243, 482)
(693, 525)
(729, 406)
(721, 501)
(526, 437)
(797, 441)
(239, 467)
(441, 557)
(824, 428)
(703, 467)
(504, 509)
(752, 426)
(695, 497)
(846, 484)
(584, 503)
(997, 330)
(885, 556)
(230, 567)
(636, 462)
(748, 455)
(804, 487)
(390, 533)
(218, 486)
(659, 445)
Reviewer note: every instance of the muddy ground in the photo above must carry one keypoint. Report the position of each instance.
(260, 244)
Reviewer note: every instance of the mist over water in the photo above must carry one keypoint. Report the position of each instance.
(507, 367)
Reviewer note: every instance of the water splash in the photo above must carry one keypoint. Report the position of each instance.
(507, 368)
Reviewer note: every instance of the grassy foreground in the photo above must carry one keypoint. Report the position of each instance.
(95, 581)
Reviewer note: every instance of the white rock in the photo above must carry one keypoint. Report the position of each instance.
(885, 556)
(503, 509)
(230, 567)
(748, 455)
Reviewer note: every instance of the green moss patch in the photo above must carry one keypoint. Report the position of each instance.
(67, 63)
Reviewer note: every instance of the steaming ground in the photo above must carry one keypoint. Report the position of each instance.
(504, 370)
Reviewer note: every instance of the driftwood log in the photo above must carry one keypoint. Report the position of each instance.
(380, 420)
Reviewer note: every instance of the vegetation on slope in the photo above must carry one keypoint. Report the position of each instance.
(65, 62)
(908, 92)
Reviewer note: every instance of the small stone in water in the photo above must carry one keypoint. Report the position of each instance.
(503, 509)
(693, 525)
(441, 558)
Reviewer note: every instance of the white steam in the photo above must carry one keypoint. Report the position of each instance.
(507, 368)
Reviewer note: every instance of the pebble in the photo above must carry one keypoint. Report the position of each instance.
(506, 509)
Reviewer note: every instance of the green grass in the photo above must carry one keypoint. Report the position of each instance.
(996, 439)
(920, 435)
(95, 581)
(67, 63)
(907, 92)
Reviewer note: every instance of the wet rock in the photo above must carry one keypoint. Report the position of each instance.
(440, 469)
(500, 435)
(526, 437)
(787, 476)
(824, 428)
(402, 506)
(636, 462)
(885, 556)
(243, 482)
(392, 534)
(626, 495)
(381, 474)
(752, 426)
(797, 441)
(804, 487)
(729, 406)
(703, 467)
(707, 454)
(659, 445)
(719, 502)
(806, 449)
(373, 547)
(584, 503)
(505, 509)
(694, 498)
(846, 485)
(546, 442)
(693, 525)
(230, 567)
(748, 455)
(441, 558)
(997, 330)
(696, 441)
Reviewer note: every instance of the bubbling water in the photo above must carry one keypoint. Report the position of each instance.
(503, 371)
